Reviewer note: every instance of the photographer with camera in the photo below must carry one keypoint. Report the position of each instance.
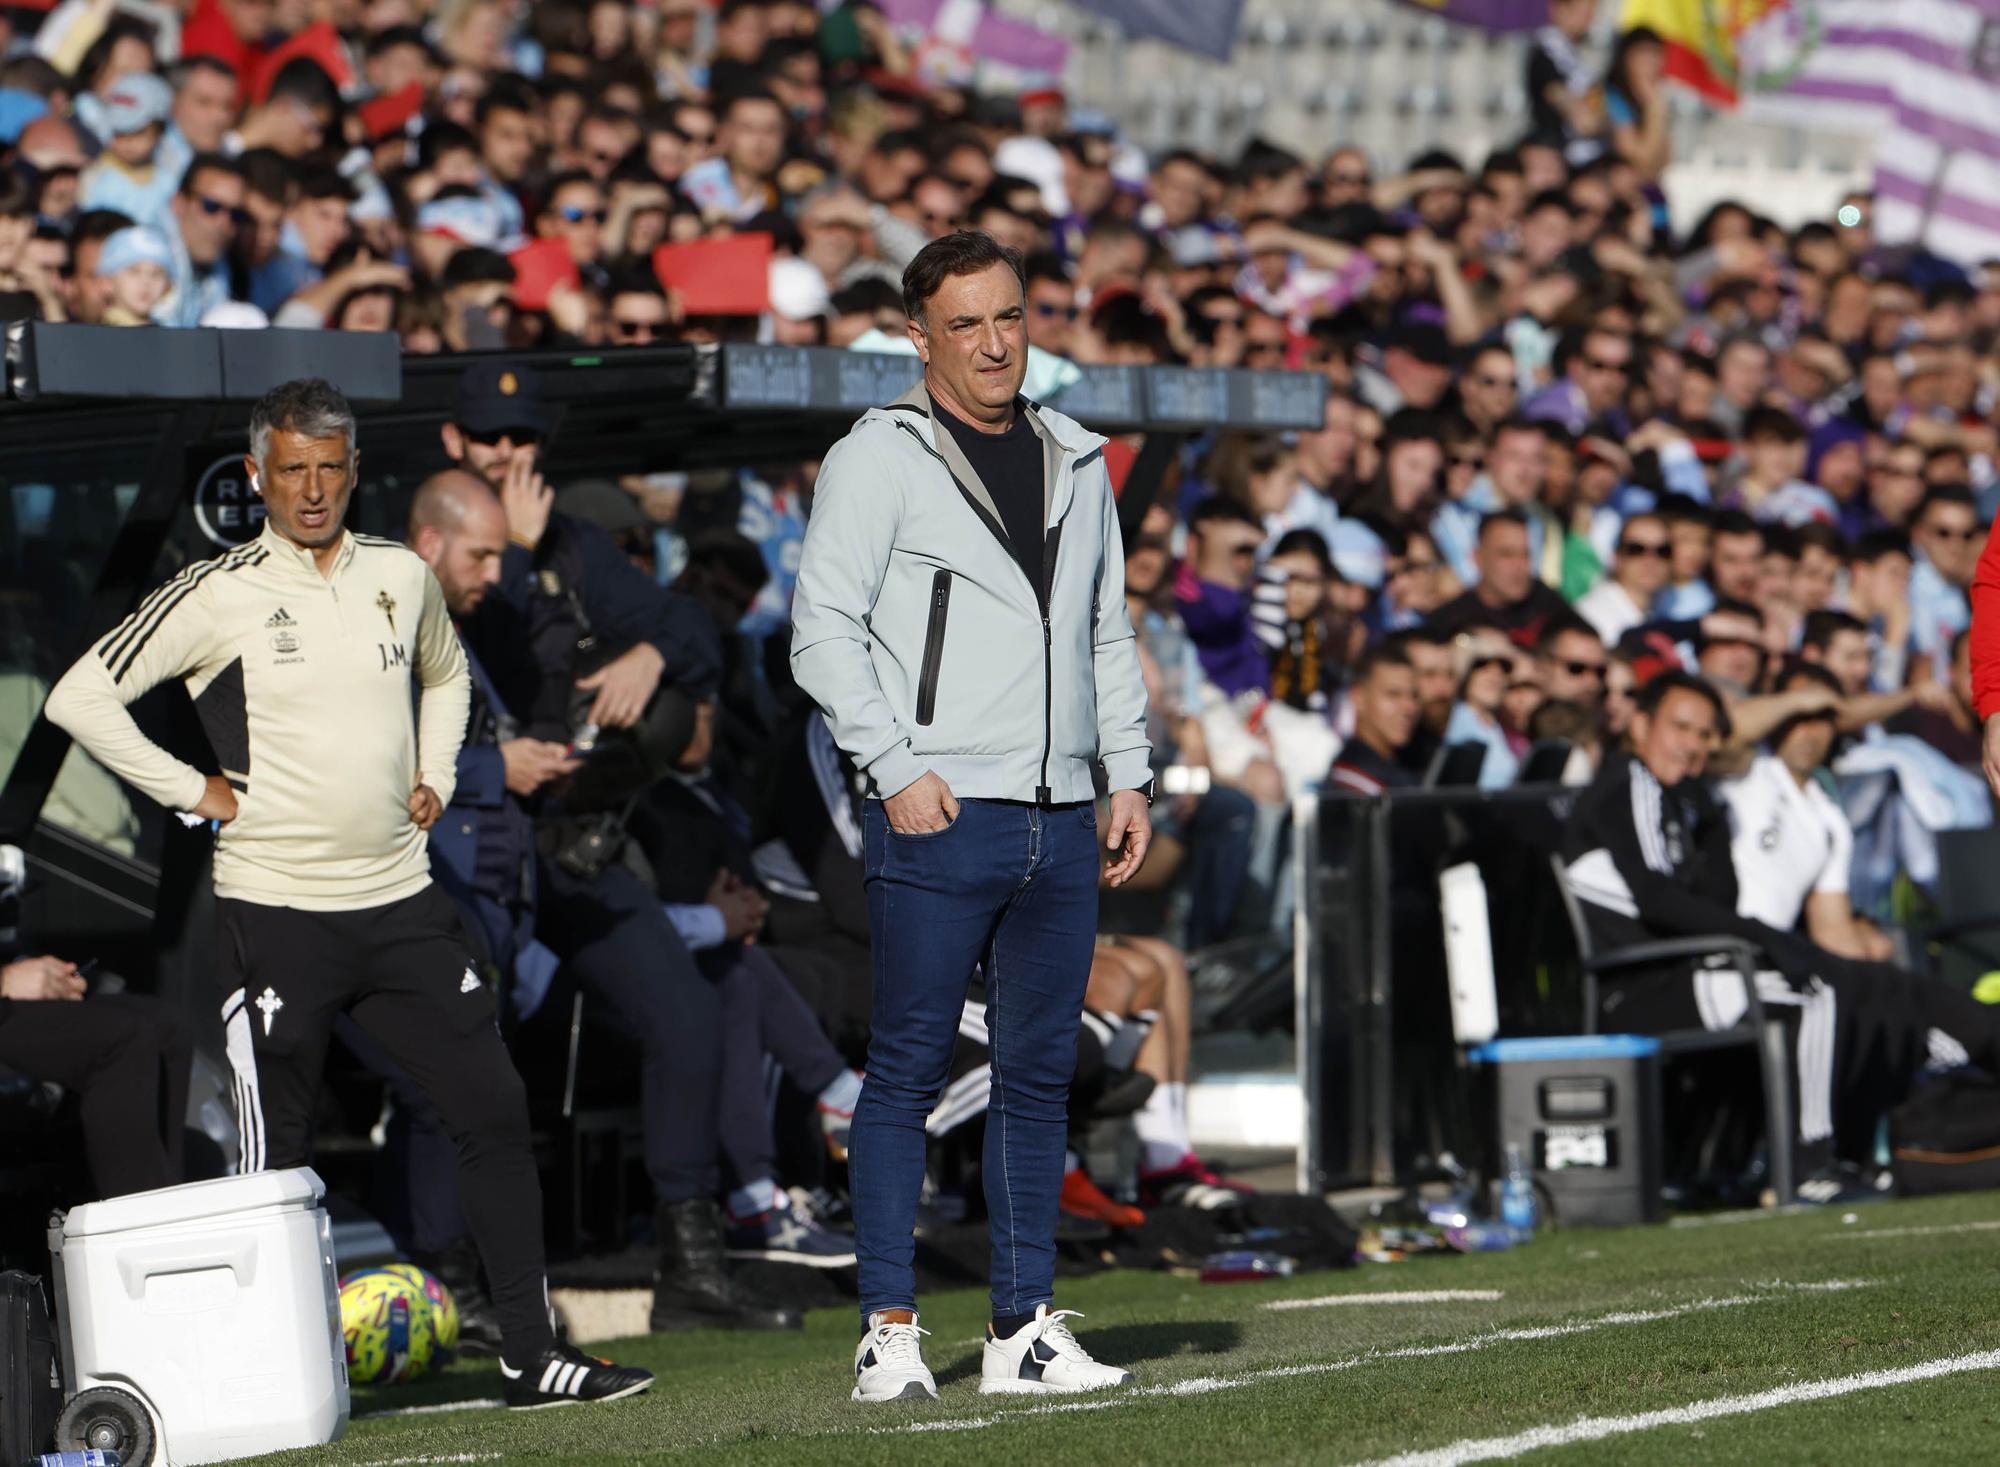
(591, 675)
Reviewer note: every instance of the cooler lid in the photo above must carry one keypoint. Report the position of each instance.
(297, 1187)
(1565, 1047)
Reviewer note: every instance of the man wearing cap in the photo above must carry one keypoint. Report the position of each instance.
(127, 175)
(569, 645)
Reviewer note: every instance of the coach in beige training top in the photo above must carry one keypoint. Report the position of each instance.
(302, 680)
(304, 652)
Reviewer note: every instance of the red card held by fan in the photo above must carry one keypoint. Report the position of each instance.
(539, 266)
(718, 277)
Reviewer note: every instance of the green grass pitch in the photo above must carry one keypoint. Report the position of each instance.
(1873, 1342)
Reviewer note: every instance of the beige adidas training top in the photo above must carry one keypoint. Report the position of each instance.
(304, 686)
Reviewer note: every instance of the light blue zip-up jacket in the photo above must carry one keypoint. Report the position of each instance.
(925, 645)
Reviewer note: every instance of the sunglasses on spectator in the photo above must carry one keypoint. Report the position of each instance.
(1050, 311)
(213, 207)
(1480, 664)
(519, 437)
(1663, 549)
(1584, 669)
(637, 330)
(1468, 460)
(571, 214)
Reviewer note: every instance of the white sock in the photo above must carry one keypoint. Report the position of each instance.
(753, 1199)
(1072, 1162)
(1162, 1126)
(842, 1092)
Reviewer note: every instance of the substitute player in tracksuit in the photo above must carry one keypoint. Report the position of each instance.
(301, 650)
(1648, 855)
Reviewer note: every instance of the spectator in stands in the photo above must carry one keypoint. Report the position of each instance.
(1383, 695)
(1212, 594)
(128, 175)
(1946, 537)
(137, 263)
(1574, 663)
(1736, 557)
(205, 215)
(1596, 366)
(1507, 595)
(1639, 571)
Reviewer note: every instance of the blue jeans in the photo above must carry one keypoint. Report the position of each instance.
(1012, 888)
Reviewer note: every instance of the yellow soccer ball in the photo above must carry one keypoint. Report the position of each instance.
(389, 1326)
(444, 1308)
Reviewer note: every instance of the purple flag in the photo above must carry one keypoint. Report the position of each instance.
(971, 29)
(1207, 27)
(1489, 15)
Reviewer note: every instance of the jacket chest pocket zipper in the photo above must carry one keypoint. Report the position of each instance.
(927, 680)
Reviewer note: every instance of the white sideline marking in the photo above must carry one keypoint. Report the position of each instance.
(432, 1410)
(1742, 1215)
(438, 1457)
(1202, 1385)
(1393, 1296)
(1598, 1428)
(1968, 1227)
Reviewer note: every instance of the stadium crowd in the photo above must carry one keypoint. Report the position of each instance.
(1571, 444)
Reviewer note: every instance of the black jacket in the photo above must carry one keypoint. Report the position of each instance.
(1648, 862)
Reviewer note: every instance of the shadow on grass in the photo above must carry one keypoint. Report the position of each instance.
(1131, 1345)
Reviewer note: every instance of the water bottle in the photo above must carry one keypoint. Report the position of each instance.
(1519, 1208)
(89, 1457)
(1243, 1266)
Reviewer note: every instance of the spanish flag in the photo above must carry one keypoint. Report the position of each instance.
(1700, 37)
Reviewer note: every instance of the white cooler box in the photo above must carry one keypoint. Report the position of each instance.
(216, 1304)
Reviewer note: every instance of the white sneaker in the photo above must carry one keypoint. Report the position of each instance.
(1044, 1358)
(889, 1363)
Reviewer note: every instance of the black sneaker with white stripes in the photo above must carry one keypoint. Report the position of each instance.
(565, 1376)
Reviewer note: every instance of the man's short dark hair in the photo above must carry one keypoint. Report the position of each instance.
(1812, 672)
(96, 224)
(185, 70)
(475, 266)
(1382, 654)
(746, 94)
(1821, 627)
(1665, 684)
(633, 279)
(866, 296)
(304, 81)
(1563, 624)
(1736, 522)
(1879, 545)
(965, 252)
(512, 93)
(1764, 421)
(268, 174)
(1944, 494)
(1045, 265)
(1221, 509)
(1681, 509)
(207, 163)
(1824, 535)
(1501, 517)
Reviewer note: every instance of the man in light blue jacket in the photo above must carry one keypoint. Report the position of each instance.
(960, 620)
